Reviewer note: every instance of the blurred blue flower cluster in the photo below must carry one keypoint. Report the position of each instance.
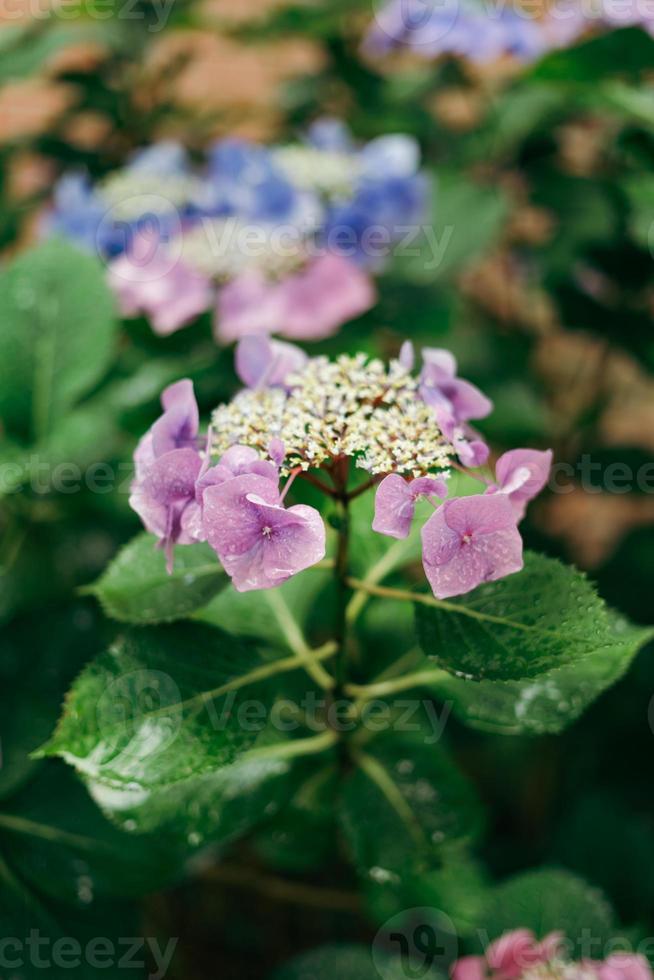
(330, 189)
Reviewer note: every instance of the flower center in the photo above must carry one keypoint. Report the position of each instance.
(466, 538)
(266, 531)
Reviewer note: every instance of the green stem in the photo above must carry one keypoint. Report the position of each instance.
(364, 692)
(380, 777)
(377, 573)
(297, 642)
(299, 747)
(366, 588)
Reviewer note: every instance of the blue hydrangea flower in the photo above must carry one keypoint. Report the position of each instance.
(465, 29)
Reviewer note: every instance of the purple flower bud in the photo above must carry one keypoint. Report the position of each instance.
(468, 541)
(168, 464)
(521, 474)
(260, 543)
(453, 397)
(395, 502)
(265, 363)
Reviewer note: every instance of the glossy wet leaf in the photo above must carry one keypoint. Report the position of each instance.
(57, 335)
(405, 802)
(136, 588)
(543, 617)
(546, 704)
(144, 713)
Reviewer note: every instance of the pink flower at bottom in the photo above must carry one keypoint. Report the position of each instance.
(468, 541)
(308, 305)
(624, 966)
(260, 543)
(508, 957)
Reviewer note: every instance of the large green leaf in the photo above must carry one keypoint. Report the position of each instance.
(553, 700)
(404, 803)
(143, 714)
(546, 616)
(136, 588)
(172, 727)
(57, 335)
(549, 900)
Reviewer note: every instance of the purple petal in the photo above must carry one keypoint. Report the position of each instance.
(178, 427)
(522, 474)
(407, 356)
(259, 543)
(395, 502)
(468, 541)
(443, 361)
(262, 362)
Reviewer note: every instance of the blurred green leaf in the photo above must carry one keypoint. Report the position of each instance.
(347, 962)
(551, 900)
(405, 802)
(450, 241)
(628, 52)
(57, 337)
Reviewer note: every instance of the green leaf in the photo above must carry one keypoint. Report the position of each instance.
(161, 725)
(267, 614)
(346, 962)
(452, 240)
(550, 702)
(57, 336)
(640, 193)
(624, 52)
(549, 900)
(403, 804)
(302, 837)
(59, 644)
(544, 617)
(136, 588)
(144, 714)
(60, 844)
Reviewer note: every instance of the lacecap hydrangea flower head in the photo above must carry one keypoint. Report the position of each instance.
(518, 955)
(280, 239)
(481, 32)
(404, 429)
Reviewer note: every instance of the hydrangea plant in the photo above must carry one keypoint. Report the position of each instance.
(281, 239)
(281, 655)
